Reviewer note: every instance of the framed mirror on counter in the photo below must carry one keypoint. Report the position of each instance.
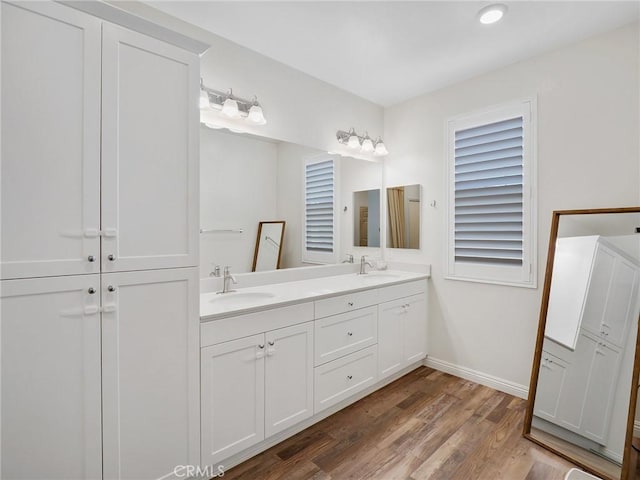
(366, 222)
(403, 216)
(584, 381)
(268, 246)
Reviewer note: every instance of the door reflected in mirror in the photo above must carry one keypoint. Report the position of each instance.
(584, 365)
(366, 223)
(268, 246)
(403, 217)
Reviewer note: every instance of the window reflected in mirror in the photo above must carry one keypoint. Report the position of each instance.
(366, 222)
(403, 217)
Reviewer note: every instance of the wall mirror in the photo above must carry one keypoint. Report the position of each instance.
(268, 246)
(245, 179)
(583, 391)
(403, 217)
(366, 220)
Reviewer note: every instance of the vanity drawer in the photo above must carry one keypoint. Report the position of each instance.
(345, 303)
(338, 380)
(340, 335)
(401, 290)
(231, 328)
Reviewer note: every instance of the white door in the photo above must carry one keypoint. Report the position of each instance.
(149, 153)
(390, 337)
(150, 346)
(50, 357)
(50, 141)
(232, 397)
(600, 393)
(552, 376)
(415, 328)
(288, 377)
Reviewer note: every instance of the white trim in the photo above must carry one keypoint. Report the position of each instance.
(515, 389)
(316, 258)
(526, 275)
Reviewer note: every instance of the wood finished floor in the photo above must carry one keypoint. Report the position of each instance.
(426, 425)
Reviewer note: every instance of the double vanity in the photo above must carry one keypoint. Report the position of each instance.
(277, 358)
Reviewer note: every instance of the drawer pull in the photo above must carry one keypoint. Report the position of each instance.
(350, 304)
(350, 334)
(350, 377)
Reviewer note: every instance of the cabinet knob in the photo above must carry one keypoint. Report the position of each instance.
(261, 346)
(91, 290)
(111, 257)
(350, 304)
(272, 342)
(350, 377)
(111, 288)
(350, 334)
(91, 258)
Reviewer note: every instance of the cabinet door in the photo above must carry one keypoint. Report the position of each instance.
(50, 416)
(50, 182)
(415, 329)
(149, 153)
(553, 372)
(390, 337)
(598, 291)
(621, 308)
(232, 397)
(600, 393)
(288, 377)
(150, 371)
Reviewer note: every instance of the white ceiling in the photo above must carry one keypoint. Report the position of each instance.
(390, 51)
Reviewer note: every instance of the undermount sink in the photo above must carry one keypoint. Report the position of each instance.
(241, 297)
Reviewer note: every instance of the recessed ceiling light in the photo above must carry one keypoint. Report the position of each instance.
(492, 13)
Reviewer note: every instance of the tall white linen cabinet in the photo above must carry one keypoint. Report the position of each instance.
(99, 249)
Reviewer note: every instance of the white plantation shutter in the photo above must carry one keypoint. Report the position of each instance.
(491, 234)
(319, 225)
(488, 193)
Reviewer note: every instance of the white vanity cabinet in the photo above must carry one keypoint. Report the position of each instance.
(402, 333)
(258, 385)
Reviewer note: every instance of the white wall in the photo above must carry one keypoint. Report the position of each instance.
(588, 156)
(299, 108)
(238, 189)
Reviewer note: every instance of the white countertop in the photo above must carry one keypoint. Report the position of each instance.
(247, 300)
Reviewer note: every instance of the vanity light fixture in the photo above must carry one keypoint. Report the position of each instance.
(492, 13)
(230, 107)
(362, 143)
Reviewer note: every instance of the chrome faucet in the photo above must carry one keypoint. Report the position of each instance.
(363, 263)
(227, 278)
(349, 259)
(215, 272)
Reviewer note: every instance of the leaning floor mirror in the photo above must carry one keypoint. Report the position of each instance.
(584, 381)
(268, 250)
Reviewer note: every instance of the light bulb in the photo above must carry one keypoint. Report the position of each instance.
(492, 13)
(380, 150)
(367, 145)
(256, 116)
(230, 108)
(354, 141)
(204, 100)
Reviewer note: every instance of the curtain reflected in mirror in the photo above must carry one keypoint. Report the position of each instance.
(583, 378)
(403, 207)
(268, 249)
(366, 223)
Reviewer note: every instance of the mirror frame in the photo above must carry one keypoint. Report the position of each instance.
(627, 454)
(255, 253)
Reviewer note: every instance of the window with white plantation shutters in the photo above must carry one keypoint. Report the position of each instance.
(491, 234)
(319, 223)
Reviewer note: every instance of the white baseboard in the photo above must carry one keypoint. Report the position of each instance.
(515, 389)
